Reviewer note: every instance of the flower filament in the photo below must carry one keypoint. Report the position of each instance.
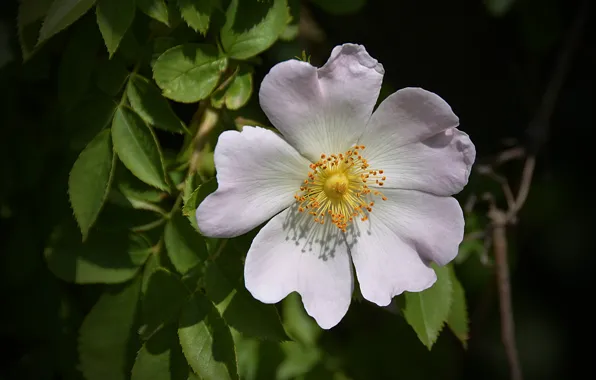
(337, 188)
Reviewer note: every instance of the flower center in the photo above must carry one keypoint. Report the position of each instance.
(337, 188)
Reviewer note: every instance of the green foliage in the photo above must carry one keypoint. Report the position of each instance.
(61, 14)
(89, 192)
(251, 28)
(114, 17)
(156, 9)
(206, 340)
(188, 73)
(138, 148)
(146, 100)
(197, 13)
(107, 338)
(142, 294)
(427, 311)
(458, 316)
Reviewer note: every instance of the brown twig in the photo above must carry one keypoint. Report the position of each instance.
(500, 219)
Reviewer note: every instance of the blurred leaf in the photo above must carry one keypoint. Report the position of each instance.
(299, 360)
(299, 325)
(252, 28)
(458, 315)
(469, 247)
(161, 358)
(112, 75)
(89, 192)
(206, 340)
(185, 247)
(192, 201)
(163, 299)
(240, 90)
(107, 337)
(77, 64)
(156, 9)
(188, 73)
(240, 310)
(146, 99)
(61, 14)
(237, 92)
(197, 13)
(138, 148)
(106, 257)
(428, 310)
(31, 13)
(340, 7)
(498, 8)
(114, 17)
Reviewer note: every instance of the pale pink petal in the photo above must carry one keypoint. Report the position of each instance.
(323, 110)
(258, 174)
(413, 139)
(293, 253)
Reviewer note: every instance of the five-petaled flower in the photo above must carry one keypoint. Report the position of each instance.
(343, 185)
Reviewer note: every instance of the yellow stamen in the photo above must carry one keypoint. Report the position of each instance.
(337, 189)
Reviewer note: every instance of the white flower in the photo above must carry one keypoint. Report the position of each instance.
(342, 187)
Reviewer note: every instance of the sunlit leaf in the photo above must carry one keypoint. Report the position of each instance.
(206, 340)
(458, 316)
(197, 13)
(252, 27)
(427, 311)
(156, 9)
(188, 73)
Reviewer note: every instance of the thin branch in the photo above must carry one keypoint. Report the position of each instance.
(506, 310)
(524, 187)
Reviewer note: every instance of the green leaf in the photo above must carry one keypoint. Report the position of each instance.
(197, 13)
(458, 316)
(193, 200)
(77, 64)
(498, 8)
(206, 340)
(146, 99)
(61, 14)
(340, 7)
(240, 310)
(299, 360)
(156, 9)
(188, 73)
(428, 310)
(114, 17)
(138, 148)
(161, 357)
(299, 325)
(30, 16)
(107, 337)
(186, 248)
(163, 299)
(107, 257)
(240, 90)
(252, 27)
(136, 193)
(89, 192)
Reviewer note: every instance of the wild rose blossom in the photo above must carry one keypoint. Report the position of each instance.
(342, 186)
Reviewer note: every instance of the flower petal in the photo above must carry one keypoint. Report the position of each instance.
(258, 174)
(323, 110)
(412, 137)
(293, 253)
(392, 248)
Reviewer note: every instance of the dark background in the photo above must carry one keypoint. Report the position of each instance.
(493, 70)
